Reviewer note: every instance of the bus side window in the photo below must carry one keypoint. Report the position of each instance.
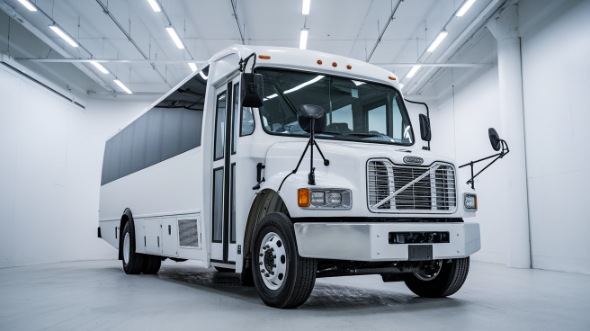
(247, 122)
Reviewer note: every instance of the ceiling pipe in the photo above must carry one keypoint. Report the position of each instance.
(384, 29)
(473, 27)
(234, 7)
(53, 45)
(106, 11)
(108, 61)
(11, 63)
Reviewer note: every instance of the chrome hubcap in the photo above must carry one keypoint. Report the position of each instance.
(126, 248)
(428, 270)
(272, 261)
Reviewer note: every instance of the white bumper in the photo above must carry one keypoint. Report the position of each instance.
(370, 241)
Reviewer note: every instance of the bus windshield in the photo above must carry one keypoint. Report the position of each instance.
(355, 110)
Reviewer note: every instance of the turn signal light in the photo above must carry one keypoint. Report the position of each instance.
(264, 57)
(303, 197)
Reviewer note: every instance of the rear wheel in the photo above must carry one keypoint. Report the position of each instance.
(151, 264)
(440, 278)
(132, 262)
(283, 278)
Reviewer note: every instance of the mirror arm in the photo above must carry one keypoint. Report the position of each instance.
(244, 62)
(505, 150)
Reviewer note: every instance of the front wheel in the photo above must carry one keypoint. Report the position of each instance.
(132, 262)
(440, 278)
(283, 278)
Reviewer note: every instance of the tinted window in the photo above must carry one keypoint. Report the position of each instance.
(217, 204)
(172, 127)
(190, 130)
(220, 126)
(126, 143)
(171, 133)
(138, 145)
(153, 137)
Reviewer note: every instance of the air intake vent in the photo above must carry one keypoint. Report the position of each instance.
(188, 233)
(411, 188)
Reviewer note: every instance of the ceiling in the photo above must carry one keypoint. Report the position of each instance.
(130, 40)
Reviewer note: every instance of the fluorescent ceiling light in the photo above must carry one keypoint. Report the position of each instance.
(305, 8)
(441, 36)
(122, 86)
(303, 39)
(414, 70)
(466, 5)
(192, 66)
(175, 37)
(155, 5)
(63, 35)
(100, 67)
(202, 74)
(28, 5)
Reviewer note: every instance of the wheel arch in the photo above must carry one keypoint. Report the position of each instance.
(266, 201)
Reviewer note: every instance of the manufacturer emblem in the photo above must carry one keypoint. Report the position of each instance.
(413, 160)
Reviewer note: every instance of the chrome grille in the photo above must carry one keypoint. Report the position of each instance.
(411, 188)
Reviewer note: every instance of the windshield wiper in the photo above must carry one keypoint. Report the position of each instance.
(332, 133)
(368, 135)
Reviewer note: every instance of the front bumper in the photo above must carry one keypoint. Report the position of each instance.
(370, 241)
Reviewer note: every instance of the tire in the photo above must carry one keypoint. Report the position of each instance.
(132, 262)
(439, 282)
(283, 278)
(151, 264)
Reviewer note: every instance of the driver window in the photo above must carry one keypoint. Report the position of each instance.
(247, 122)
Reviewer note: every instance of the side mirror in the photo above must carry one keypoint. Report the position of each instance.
(494, 139)
(425, 132)
(252, 90)
(308, 113)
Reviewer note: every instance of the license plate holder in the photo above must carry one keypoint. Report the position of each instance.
(419, 252)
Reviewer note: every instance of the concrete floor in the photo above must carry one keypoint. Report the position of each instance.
(98, 295)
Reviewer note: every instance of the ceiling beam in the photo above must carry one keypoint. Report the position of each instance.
(53, 45)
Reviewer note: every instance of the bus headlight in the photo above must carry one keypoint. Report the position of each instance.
(324, 198)
(470, 201)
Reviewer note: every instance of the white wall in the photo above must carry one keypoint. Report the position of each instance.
(556, 68)
(51, 154)
(555, 53)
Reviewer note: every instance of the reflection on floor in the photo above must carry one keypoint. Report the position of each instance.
(98, 295)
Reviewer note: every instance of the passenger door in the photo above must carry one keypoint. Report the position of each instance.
(223, 240)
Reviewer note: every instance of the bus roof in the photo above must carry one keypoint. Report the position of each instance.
(308, 60)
